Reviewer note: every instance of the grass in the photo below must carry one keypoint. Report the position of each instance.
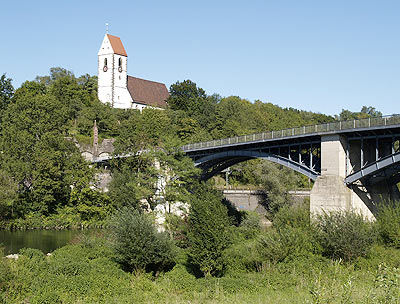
(86, 272)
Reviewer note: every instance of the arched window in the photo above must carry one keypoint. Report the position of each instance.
(105, 61)
(120, 62)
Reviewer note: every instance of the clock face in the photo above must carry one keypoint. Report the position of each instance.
(120, 69)
(105, 68)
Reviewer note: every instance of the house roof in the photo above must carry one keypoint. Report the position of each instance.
(117, 45)
(148, 92)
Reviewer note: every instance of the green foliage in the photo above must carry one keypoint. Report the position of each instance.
(86, 272)
(208, 231)
(177, 227)
(388, 223)
(295, 216)
(364, 113)
(180, 279)
(8, 195)
(345, 235)
(276, 181)
(91, 204)
(387, 285)
(250, 225)
(6, 92)
(243, 256)
(291, 237)
(185, 96)
(134, 180)
(6, 275)
(137, 243)
(278, 245)
(35, 153)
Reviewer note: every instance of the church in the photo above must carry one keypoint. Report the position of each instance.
(118, 89)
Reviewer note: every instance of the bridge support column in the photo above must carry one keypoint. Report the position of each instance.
(329, 192)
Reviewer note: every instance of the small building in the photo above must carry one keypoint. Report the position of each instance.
(118, 89)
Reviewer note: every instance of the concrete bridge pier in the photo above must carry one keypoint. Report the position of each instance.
(329, 192)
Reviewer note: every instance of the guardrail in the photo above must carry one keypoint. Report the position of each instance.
(321, 128)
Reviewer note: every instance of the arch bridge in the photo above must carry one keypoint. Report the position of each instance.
(355, 164)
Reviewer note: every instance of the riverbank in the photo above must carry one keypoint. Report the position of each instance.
(44, 240)
(86, 272)
(52, 222)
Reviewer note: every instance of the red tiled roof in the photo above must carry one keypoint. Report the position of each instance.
(117, 45)
(148, 92)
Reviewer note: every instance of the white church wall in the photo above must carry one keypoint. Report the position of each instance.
(120, 79)
(105, 77)
(112, 83)
(122, 98)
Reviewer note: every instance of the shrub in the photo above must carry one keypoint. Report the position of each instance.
(180, 278)
(208, 232)
(177, 227)
(278, 245)
(250, 225)
(242, 257)
(137, 243)
(388, 223)
(292, 236)
(344, 235)
(293, 216)
(5, 275)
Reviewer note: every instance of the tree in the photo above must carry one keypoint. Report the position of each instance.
(55, 74)
(6, 92)
(370, 111)
(208, 231)
(275, 180)
(137, 243)
(365, 112)
(35, 152)
(8, 195)
(134, 181)
(177, 175)
(185, 96)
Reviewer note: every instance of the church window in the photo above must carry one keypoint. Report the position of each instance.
(105, 68)
(120, 64)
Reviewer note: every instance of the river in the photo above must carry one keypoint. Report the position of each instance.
(45, 240)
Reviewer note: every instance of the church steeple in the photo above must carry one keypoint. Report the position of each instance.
(112, 73)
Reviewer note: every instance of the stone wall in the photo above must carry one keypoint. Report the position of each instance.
(249, 200)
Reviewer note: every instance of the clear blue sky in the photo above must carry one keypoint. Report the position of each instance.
(313, 55)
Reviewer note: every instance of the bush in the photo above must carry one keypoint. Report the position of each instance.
(344, 235)
(208, 232)
(292, 216)
(388, 223)
(5, 275)
(137, 243)
(250, 225)
(278, 245)
(242, 257)
(177, 227)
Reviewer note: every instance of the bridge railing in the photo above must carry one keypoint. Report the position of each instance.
(305, 130)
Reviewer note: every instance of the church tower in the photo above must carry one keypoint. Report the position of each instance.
(112, 73)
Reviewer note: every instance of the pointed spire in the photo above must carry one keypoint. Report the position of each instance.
(95, 138)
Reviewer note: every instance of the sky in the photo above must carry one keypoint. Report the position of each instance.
(321, 56)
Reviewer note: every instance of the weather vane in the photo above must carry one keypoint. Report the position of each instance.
(106, 28)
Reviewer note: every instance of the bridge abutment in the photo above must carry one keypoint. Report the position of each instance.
(329, 192)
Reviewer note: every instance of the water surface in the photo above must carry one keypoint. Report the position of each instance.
(44, 240)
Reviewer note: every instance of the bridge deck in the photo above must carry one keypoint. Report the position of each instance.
(337, 127)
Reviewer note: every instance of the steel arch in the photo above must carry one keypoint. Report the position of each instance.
(228, 158)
